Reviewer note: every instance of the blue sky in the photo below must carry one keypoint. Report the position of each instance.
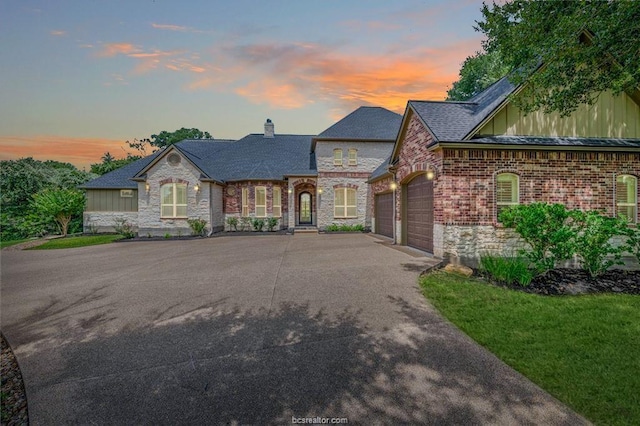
(81, 77)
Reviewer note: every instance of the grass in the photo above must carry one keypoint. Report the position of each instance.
(581, 349)
(81, 241)
(4, 244)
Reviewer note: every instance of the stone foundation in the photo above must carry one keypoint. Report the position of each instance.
(464, 244)
(102, 222)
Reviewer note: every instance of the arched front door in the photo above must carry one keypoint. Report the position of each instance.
(305, 209)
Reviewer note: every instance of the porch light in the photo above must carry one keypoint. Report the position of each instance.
(430, 174)
(393, 185)
(289, 191)
(196, 188)
(319, 190)
(147, 187)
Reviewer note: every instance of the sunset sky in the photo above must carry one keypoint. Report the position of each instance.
(79, 78)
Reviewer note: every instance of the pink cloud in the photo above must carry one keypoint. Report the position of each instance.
(169, 27)
(113, 49)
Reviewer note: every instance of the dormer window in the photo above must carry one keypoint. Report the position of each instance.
(353, 157)
(337, 157)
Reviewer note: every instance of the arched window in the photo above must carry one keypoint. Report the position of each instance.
(173, 200)
(627, 197)
(345, 203)
(507, 191)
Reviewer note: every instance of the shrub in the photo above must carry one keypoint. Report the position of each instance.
(593, 241)
(547, 229)
(507, 270)
(123, 227)
(334, 227)
(233, 223)
(272, 222)
(92, 228)
(258, 224)
(633, 241)
(198, 226)
(245, 223)
(61, 205)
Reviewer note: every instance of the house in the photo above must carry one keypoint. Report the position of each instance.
(456, 165)
(302, 180)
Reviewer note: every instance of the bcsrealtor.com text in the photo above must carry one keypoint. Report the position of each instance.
(320, 420)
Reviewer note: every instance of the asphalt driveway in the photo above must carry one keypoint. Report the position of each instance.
(248, 330)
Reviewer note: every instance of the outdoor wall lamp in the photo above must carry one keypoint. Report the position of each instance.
(319, 190)
(289, 191)
(430, 174)
(393, 186)
(147, 187)
(196, 188)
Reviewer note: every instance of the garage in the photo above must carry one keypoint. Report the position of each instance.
(384, 214)
(419, 213)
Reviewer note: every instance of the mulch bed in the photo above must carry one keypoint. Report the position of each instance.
(13, 404)
(567, 281)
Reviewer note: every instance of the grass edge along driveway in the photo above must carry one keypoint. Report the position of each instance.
(581, 349)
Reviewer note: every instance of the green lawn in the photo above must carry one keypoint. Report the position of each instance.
(584, 350)
(82, 241)
(4, 244)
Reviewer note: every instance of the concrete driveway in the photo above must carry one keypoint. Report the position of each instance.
(248, 330)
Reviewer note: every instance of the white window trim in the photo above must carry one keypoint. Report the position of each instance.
(346, 205)
(633, 204)
(255, 199)
(175, 204)
(337, 161)
(245, 202)
(507, 203)
(277, 201)
(353, 161)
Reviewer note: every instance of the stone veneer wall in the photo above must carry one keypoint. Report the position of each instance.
(105, 221)
(149, 221)
(370, 155)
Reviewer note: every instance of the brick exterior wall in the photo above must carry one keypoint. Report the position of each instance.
(233, 203)
(465, 223)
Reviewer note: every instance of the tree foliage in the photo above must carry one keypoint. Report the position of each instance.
(109, 163)
(164, 139)
(585, 47)
(477, 73)
(19, 181)
(61, 205)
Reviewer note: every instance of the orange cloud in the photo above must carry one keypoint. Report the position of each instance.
(277, 95)
(113, 49)
(57, 33)
(80, 152)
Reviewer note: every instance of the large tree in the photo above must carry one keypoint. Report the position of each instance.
(109, 163)
(566, 51)
(60, 205)
(164, 139)
(477, 73)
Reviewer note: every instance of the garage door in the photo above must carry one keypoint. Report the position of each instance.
(420, 214)
(384, 214)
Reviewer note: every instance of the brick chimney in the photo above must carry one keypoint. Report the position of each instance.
(268, 129)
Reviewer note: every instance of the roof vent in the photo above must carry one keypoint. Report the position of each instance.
(268, 129)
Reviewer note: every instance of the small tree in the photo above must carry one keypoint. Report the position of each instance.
(59, 204)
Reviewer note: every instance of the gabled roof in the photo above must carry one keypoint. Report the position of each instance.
(365, 123)
(455, 121)
(121, 178)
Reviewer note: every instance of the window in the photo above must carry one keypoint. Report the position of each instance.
(353, 157)
(344, 200)
(627, 197)
(261, 201)
(173, 200)
(277, 201)
(245, 202)
(507, 191)
(337, 157)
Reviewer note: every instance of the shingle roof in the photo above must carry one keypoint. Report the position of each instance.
(380, 171)
(121, 178)
(558, 141)
(366, 123)
(453, 121)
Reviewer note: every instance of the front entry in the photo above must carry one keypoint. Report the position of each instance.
(305, 209)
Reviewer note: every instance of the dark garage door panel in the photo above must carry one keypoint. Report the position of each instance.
(420, 214)
(384, 214)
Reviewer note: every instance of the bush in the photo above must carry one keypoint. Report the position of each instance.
(123, 227)
(245, 223)
(233, 223)
(334, 227)
(547, 229)
(633, 241)
(198, 226)
(272, 222)
(507, 270)
(593, 241)
(258, 224)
